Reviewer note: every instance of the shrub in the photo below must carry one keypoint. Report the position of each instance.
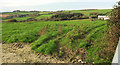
(94, 14)
(12, 20)
(66, 16)
(47, 48)
(113, 35)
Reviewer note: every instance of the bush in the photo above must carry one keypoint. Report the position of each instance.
(47, 48)
(94, 13)
(66, 16)
(113, 35)
(12, 20)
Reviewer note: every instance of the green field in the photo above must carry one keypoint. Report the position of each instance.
(18, 18)
(27, 12)
(44, 16)
(60, 37)
(12, 13)
(47, 36)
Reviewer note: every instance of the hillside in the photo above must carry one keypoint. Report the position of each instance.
(74, 41)
(87, 12)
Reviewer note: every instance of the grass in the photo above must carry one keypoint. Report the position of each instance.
(44, 16)
(21, 18)
(17, 18)
(74, 34)
(18, 29)
(47, 37)
(24, 18)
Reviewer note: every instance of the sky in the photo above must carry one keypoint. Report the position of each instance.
(54, 5)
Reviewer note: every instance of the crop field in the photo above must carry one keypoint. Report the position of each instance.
(53, 37)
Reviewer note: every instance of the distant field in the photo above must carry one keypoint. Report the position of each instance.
(22, 18)
(26, 13)
(18, 18)
(4, 15)
(45, 12)
(87, 12)
(44, 16)
(18, 13)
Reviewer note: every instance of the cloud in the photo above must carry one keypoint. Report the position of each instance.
(17, 3)
(8, 5)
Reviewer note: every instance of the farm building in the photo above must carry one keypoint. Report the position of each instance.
(101, 17)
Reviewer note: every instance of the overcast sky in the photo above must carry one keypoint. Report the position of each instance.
(10, 5)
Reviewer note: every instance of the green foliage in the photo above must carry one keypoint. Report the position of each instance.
(61, 53)
(39, 41)
(47, 48)
(66, 16)
(12, 20)
(87, 12)
(112, 37)
(82, 44)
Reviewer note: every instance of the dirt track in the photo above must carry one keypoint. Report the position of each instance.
(21, 53)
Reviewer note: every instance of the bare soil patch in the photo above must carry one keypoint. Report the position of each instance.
(22, 53)
(4, 15)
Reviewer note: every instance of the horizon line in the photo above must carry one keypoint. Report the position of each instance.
(58, 10)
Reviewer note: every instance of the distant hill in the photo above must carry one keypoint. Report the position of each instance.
(88, 11)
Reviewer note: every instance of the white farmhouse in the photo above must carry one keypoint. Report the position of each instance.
(102, 17)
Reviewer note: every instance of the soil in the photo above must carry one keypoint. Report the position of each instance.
(4, 15)
(22, 53)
